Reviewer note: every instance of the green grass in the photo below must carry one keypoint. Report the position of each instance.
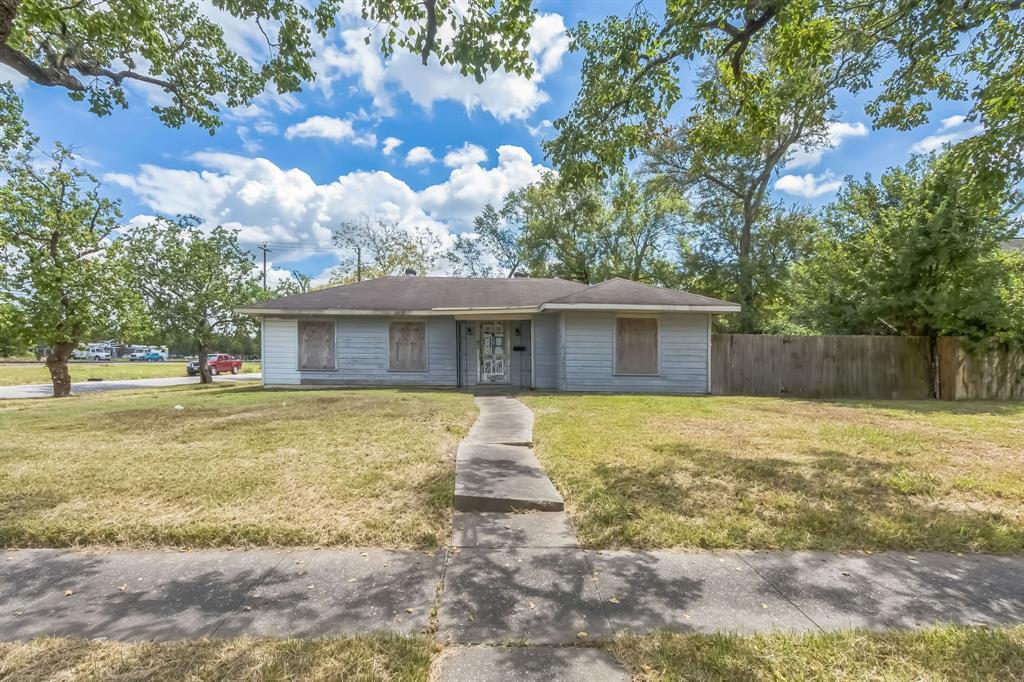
(765, 473)
(15, 373)
(380, 658)
(238, 466)
(941, 653)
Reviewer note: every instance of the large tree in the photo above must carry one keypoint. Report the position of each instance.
(375, 246)
(193, 279)
(907, 50)
(916, 253)
(60, 282)
(92, 49)
(587, 231)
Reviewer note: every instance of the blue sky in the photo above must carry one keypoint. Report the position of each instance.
(419, 144)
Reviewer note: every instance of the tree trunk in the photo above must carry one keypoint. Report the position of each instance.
(745, 286)
(57, 363)
(204, 367)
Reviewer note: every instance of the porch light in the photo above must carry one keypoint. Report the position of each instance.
(469, 331)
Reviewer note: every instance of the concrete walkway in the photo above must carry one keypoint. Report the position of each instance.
(46, 390)
(495, 469)
(492, 596)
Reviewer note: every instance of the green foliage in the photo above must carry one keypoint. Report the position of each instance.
(193, 280)
(916, 253)
(379, 247)
(587, 231)
(905, 49)
(297, 283)
(60, 281)
(92, 49)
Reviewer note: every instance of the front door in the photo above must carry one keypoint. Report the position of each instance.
(493, 353)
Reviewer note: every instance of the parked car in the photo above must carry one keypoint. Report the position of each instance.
(218, 363)
(153, 356)
(99, 355)
(137, 355)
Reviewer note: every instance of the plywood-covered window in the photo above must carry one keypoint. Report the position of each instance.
(316, 344)
(407, 344)
(636, 345)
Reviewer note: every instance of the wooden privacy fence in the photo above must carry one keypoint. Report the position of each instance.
(874, 367)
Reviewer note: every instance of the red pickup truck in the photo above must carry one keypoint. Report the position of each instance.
(217, 362)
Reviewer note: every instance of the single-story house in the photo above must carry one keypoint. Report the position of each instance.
(552, 334)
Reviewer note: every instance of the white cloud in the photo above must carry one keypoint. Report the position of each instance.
(327, 127)
(418, 155)
(808, 186)
(952, 122)
(505, 96)
(809, 157)
(466, 155)
(952, 129)
(540, 128)
(365, 140)
(287, 206)
(265, 128)
(390, 144)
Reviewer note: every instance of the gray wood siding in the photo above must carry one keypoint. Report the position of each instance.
(545, 350)
(280, 351)
(363, 350)
(589, 361)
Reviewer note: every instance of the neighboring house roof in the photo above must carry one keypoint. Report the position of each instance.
(1016, 244)
(464, 295)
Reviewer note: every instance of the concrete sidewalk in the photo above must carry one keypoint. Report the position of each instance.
(543, 595)
(46, 390)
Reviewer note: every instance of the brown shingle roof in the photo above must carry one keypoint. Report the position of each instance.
(427, 293)
(439, 293)
(620, 291)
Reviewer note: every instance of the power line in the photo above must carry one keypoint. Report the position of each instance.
(263, 247)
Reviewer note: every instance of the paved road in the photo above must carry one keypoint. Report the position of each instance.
(46, 390)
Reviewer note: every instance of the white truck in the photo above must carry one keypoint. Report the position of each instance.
(93, 351)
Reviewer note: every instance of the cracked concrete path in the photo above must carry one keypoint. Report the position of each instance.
(544, 595)
(495, 468)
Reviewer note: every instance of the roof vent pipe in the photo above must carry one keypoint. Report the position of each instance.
(410, 272)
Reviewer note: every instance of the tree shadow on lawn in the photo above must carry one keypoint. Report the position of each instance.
(827, 500)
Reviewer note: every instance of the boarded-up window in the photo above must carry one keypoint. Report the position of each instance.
(636, 345)
(316, 345)
(408, 347)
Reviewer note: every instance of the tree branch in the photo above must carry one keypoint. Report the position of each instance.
(428, 41)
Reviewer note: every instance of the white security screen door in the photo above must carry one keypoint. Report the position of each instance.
(493, 353)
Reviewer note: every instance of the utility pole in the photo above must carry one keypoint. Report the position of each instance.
(359, 263)
(263, 247)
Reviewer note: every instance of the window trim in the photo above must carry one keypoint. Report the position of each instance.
(298, 344)
(615, 344)
(426, 345)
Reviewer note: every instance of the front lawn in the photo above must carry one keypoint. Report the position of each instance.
(379, 658)
(237, 465)
(767, 473)
(16, 373)
(940, 653)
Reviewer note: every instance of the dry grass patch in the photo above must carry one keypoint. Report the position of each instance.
(765, 473)
(940, 653)
(237, 466)
(15, 373)
(378, 658)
